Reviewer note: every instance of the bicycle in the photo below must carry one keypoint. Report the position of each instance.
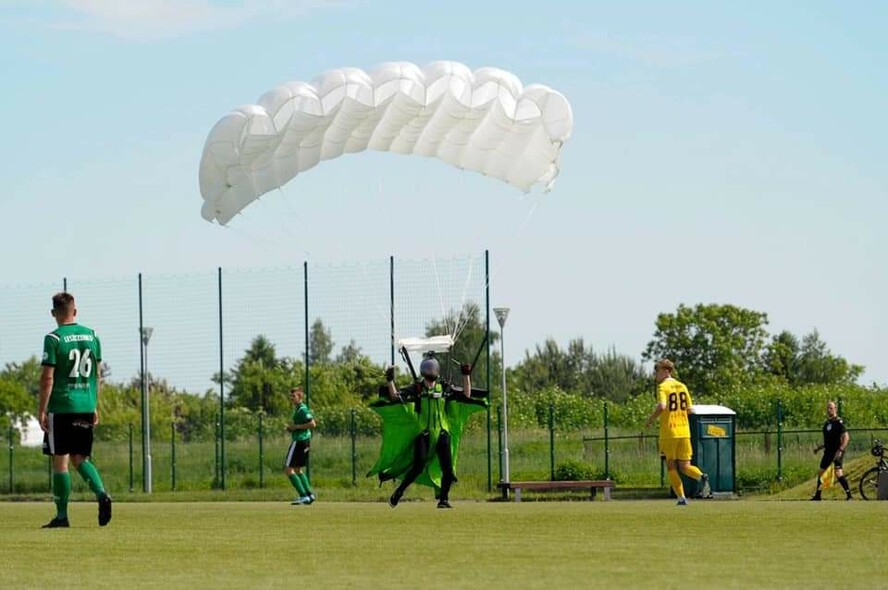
(869, 483)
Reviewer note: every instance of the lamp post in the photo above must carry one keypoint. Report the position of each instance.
(146, 414)
(501, 314)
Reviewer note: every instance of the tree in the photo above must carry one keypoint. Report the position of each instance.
(320, 343)
(19, 387)
(470, 331)
(25, 374)
(807, 363)
(579, 369)
(15, 402)
(817, 365)
(549, 366)
(715, 347)
(262, 381)
(781, 357)
(350, 353)
(261, 351)
(617, 377)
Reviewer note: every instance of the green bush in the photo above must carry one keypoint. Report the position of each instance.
(572, 470)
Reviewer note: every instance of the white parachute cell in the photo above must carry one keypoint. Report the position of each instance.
(484, 121)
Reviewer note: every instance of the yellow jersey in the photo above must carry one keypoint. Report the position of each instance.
(676, 401)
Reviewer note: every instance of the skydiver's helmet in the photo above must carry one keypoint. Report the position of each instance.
(429, 368)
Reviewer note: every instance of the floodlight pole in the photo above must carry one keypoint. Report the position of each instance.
(501, 314)
(146, 413)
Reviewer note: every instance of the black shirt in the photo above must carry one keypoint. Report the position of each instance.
(832, 434)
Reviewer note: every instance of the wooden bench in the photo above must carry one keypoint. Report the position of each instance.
(593, 486)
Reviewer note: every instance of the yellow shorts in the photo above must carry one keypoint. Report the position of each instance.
(677, 449)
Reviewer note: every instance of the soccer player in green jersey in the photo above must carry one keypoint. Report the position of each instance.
(69, 391)
(299, 427)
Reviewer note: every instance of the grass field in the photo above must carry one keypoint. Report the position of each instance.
(624, 544)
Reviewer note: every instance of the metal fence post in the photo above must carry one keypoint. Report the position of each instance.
(131, 458)
(221, 461)
(307, 386)
(606, 446)
(11, 447)
(487, 335)
(354, 455)
(261, 455)
(499, 438)
(552, 441)
(779, 440)
(216, 457)
(173, 455)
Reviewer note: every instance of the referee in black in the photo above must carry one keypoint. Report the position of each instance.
(835, 440)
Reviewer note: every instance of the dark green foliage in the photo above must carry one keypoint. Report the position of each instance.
(713, 346)
(337, 421)
(573, 470)
(607, 376)
(320, 343)
(470, 329)
(723, 348)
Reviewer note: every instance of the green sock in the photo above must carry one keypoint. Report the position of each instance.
(297, 483)
(305, 483)
(90, 475)
(61, 491)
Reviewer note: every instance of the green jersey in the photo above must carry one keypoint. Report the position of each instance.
(301, 415)
(75, 353)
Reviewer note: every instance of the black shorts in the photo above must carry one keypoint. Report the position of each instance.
(69, 434)
(829, 457)
(297, 454)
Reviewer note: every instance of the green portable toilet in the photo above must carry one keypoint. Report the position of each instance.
(713, 439)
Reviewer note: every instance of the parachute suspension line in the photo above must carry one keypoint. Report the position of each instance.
(527, 217)
(262, 239)
(464, 318)
(493, 272)
(444, 315)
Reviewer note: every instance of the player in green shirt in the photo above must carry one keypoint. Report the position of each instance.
(69, 391)
(299, 427)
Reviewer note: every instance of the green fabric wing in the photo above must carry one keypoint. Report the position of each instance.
(401, 426)
(459, 409)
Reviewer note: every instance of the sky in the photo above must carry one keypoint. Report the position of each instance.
(722, 152)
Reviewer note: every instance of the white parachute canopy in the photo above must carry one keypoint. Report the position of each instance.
(484, 121)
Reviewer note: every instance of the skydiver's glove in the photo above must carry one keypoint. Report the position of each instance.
(390, 374)
(465, 369)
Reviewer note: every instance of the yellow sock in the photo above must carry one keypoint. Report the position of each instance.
(692, 472)
(675, 480)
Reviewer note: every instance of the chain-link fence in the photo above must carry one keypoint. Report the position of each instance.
(186, 333)
(254, 457)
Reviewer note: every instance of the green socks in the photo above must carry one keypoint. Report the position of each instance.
(304, 479)
(90, 475)
(300, 482)
(61, 491)
(297, 483)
